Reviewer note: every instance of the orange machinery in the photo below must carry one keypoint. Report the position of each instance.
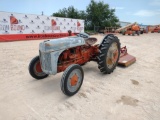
(130, 29)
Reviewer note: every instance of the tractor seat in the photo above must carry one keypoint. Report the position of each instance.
(91, 40)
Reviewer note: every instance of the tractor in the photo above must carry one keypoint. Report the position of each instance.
(69, 54)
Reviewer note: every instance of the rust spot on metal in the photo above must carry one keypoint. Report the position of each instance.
(47, 44)
(74, 80)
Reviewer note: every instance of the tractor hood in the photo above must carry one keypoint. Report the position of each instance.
(61, 44)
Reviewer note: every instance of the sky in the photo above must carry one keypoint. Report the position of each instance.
(146, 12)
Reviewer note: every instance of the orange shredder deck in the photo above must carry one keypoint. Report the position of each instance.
(126, 60)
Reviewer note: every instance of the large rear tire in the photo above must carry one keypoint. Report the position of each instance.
(72, 79)
(35, 69)
(109, 54)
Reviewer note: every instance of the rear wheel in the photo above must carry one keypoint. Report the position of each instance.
(123, 33)
(35, 69)
(72, 79)
(109, 54)
(138, 33)
(133, 33)
(159, 31)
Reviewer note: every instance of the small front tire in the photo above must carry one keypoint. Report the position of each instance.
(72, 79)
(35, 69)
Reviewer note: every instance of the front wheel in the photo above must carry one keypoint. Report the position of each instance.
(72, 79)
(35, 69)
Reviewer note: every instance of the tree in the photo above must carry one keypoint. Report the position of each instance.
(61, 13)
(69, 12)
(99, 14)
(72, 12)
(96, 14)
(83, 15)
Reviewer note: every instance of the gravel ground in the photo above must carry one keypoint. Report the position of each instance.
(131, 93)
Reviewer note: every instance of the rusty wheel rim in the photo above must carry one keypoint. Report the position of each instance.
(74, 80)
(112, 55)
(37, 69)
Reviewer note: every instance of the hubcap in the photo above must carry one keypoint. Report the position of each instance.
(74, 80)
(37, 69)
(112, 55)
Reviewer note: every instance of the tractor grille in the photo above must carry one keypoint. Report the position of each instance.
(46, 61)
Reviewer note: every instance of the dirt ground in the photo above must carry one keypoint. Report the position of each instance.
(131, 93)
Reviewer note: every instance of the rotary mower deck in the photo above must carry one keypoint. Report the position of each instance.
(125, 58)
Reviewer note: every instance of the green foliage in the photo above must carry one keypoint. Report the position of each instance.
(96, 14)
(69, 12)
(99, 14)
(61, 13)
